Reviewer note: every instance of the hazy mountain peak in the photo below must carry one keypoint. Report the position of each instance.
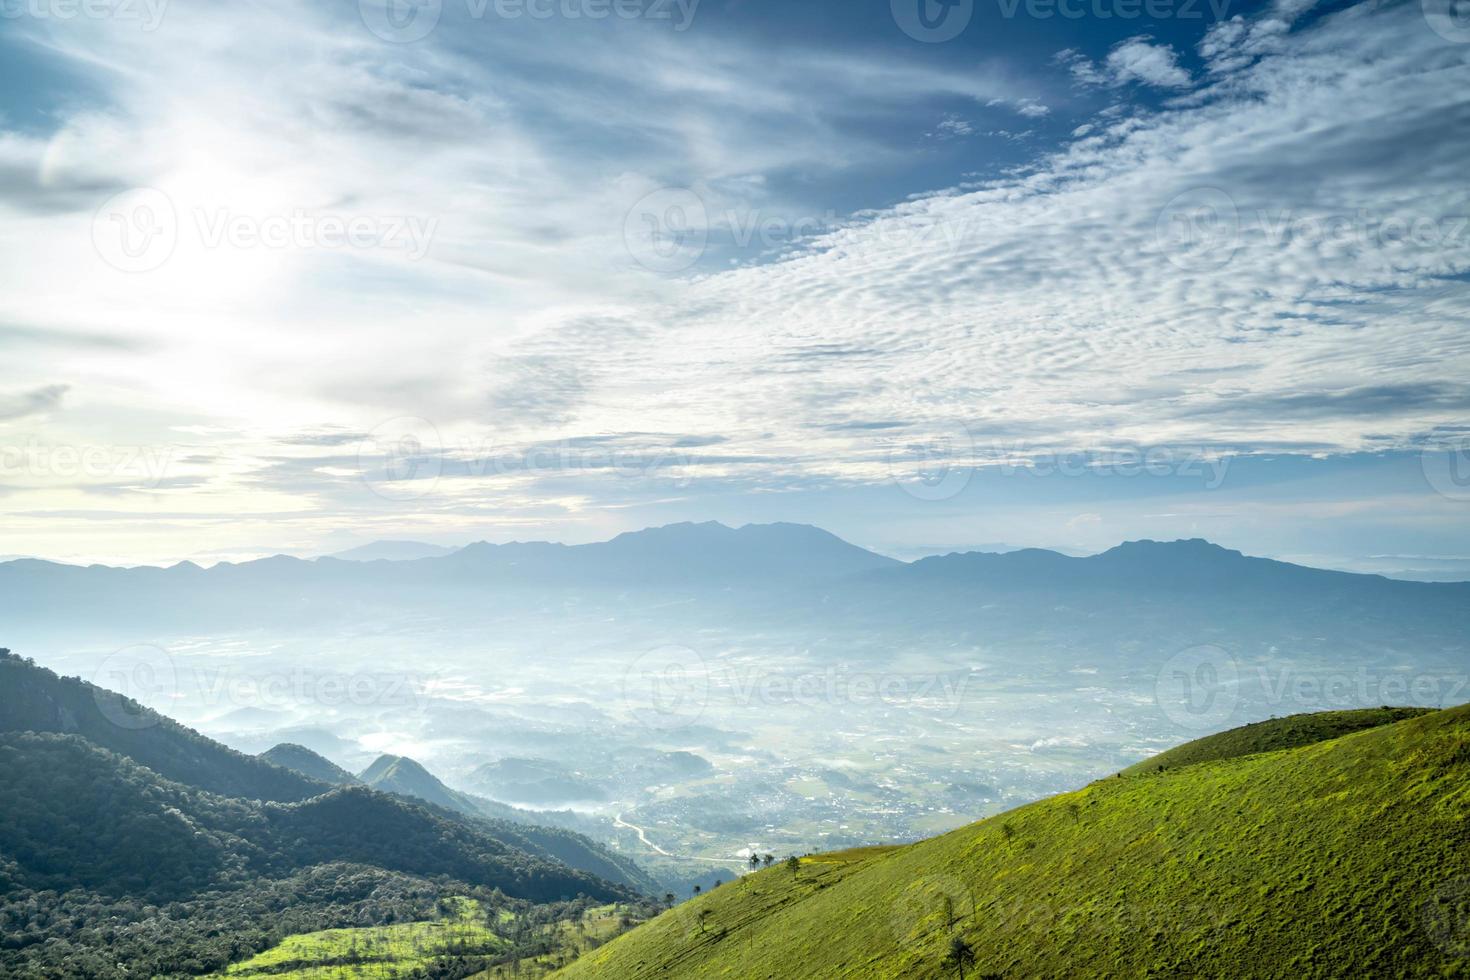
(298, 758)
(1189, 547)
(392, 551)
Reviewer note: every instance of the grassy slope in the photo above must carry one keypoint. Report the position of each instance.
(1274, 735)
(376, 951)
(1322, 860)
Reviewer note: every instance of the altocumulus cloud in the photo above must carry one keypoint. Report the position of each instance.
(1292, 216)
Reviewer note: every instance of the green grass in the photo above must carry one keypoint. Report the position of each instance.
(572, 938)
(375, 951)
(1274, 735)
(1348, 856)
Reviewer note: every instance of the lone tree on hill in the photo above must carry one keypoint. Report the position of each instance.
(793, 864)
(960, 955)
(768, 859)
(755, 861)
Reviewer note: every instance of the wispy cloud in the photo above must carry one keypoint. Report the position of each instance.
(1292, 217)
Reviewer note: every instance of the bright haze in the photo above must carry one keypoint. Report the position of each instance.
(295, 277)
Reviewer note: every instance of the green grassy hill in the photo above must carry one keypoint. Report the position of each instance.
(1274, 735)
(1342, 857)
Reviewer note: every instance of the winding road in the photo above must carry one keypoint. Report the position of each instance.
(619, 821)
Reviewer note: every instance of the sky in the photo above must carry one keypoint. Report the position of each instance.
(286, 276)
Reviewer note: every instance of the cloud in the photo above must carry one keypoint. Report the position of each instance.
(952, 127)
(1233, 44)
(1136, 59)
(37, 401)
(1268, 226)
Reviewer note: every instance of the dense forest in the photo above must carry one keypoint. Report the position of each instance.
(109, 867)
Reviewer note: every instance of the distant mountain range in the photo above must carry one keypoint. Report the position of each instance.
(700, 555)
(393, 551)
(762, 573)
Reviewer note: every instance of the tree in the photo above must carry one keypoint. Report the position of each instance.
(755, 861)
(768, 859)
(669, 899)
(793, 864)
(960, 955)
(696, 889)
